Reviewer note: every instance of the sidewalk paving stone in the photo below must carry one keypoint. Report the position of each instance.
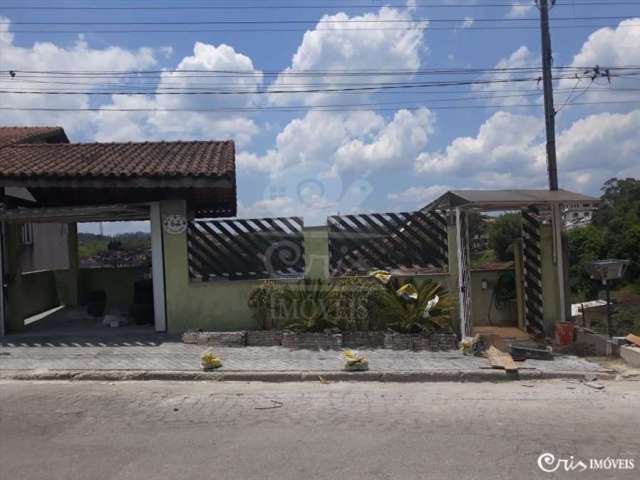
(156, 354)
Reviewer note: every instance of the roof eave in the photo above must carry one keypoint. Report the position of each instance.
(203, 181)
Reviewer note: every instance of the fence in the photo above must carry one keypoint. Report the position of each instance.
(413, 242)
(246, 249)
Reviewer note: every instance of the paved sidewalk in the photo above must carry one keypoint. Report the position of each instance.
(157, 354)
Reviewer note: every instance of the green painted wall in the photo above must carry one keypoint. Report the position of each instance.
(223, 305)
(482, 300)
(206, 305)
(316, 252)
(38, 292)
(116, 282)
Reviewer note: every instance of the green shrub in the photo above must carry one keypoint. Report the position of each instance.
(309, 306)
(406, 316)
(348, 304)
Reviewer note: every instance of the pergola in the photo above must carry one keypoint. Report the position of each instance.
(94, 182)
(534, 205)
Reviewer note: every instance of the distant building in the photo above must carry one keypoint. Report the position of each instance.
(577, 214)
(42, 246)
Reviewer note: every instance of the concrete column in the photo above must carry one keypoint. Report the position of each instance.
(550, 281)
(157, 269)
(316, 252)
(176, 268)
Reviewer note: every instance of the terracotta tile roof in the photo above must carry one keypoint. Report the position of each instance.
(12, 135)
(148, 159)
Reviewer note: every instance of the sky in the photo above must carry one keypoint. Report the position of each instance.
(322, 150)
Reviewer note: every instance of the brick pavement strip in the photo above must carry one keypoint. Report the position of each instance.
(173, 359)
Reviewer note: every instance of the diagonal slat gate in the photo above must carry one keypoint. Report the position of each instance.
(532, 271)
(244, 249)
(464, 272)
(415, 241)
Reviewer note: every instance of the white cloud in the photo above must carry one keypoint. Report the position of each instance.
(49, 56)
(509, 151)
(309, 192)
(347, 141)
(468, 22)
(506, 92)
(353, 45)
(189, 125)
(417, 196)
(599, 147)
(397, 144)
(520, 9)
(607, 47)
(505, 143)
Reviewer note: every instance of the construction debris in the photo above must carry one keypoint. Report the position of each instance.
(500, 359)
(634, 339)
(522, 352)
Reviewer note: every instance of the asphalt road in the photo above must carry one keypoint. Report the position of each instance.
(164, 430)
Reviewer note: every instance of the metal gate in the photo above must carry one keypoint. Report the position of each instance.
(410, 242)
(464, 272)
(532, 272)
(244, 249)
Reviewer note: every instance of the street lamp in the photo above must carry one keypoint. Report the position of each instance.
(605, 271)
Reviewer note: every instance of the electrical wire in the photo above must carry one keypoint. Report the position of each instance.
(472, 28)
(276, 6)
(280, 90)
(296, 109)
(319, 22)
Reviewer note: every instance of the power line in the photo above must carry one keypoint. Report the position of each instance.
(319, 22)
(311, 7)
(399, 104)
(472, 28)
(312, 72)
(296, 109)
(329, 89)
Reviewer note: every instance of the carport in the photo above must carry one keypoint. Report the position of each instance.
(70, 183)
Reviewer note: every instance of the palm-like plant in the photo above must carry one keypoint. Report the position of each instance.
(406, 315)
(309, 306)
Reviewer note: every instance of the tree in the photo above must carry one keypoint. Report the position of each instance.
(585, 245)
(619, 218)
(502, 233)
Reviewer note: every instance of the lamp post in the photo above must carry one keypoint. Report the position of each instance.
(605, 271)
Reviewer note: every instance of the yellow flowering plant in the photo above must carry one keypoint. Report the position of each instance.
(354, 360)
(208, 360)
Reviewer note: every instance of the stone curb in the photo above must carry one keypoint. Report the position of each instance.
(297, 376)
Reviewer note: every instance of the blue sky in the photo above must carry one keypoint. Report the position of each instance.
(396, 155)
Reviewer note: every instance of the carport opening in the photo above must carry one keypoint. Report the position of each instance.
(83, 270)
(113, 271)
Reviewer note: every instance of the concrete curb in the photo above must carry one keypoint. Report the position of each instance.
(297, 376)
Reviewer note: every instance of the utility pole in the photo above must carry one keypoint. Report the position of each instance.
(552, 165)
(547, 82)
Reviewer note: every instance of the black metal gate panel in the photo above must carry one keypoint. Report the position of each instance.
(464, 273)
(532, 271)
(414, 242)
(245, 249)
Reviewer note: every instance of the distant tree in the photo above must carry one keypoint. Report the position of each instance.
(477, 224)
(585, 245)
(502, 233)
(619, 219)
